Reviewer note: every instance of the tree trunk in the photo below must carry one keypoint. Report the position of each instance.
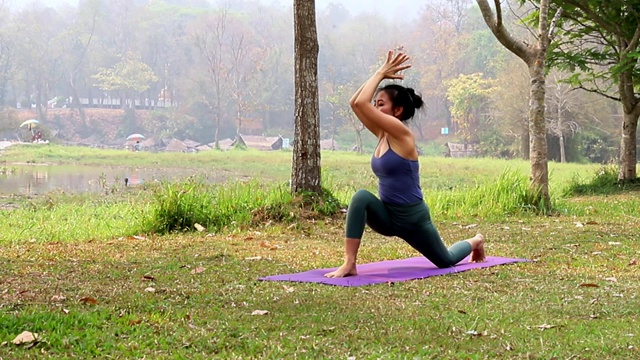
(524, 142)
(561, 142)
(563, 152)
(359, 141)
(538, 131)
(305, 175)
(239, 117)
(75, 102)
(535, 57)
(628, 147)
(628, 143)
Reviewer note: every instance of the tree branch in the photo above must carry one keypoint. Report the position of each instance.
(497, 27)
(596, 91)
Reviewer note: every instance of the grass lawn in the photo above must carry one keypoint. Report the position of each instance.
(107, 291)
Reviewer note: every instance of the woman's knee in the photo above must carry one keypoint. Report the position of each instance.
(361, 199)
(362, 196)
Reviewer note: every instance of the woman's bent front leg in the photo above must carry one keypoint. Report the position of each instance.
(365, 208)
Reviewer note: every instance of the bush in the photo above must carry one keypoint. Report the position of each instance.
(509, 194)
(179, 206)
(604, 181)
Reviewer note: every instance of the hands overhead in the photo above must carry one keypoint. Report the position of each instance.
(394, 64)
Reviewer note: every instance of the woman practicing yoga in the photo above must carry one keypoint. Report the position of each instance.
(400, 211)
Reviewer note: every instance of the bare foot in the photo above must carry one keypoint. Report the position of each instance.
(342, 271)
(477, 246)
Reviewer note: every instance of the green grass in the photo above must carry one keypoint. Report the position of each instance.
(577, 298)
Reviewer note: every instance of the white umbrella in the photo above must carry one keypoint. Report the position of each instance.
(31, 123)
(135, 137)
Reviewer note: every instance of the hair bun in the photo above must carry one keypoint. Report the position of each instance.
(416, 99)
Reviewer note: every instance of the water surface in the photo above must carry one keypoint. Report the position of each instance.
(34, 179)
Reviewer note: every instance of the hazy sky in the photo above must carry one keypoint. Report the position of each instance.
(400, 10)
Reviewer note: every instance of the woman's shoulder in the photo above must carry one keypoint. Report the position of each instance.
(405, 147)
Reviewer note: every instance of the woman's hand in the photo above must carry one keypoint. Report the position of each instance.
(393, 65)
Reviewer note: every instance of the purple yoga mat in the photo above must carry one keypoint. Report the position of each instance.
(390, 271)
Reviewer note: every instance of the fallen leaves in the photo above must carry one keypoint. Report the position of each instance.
(589, 285)
(25, 337)
(267, 245)
(198, 270)
(58, 298)
(88, 300)
(546, 326)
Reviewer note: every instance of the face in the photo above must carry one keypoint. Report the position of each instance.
(383, 103)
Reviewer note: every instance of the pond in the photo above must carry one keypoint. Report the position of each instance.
(28, 179)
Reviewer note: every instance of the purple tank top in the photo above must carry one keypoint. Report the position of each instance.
(398, 178)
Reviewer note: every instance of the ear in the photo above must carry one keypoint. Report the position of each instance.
(398, 111)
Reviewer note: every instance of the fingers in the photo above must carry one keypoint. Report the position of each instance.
(389, 56)
(397, 58)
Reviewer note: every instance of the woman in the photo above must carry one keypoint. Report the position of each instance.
(400, 211)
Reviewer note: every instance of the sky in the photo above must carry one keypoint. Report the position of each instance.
(400, 10)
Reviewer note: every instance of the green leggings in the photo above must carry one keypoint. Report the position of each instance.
(412, 223)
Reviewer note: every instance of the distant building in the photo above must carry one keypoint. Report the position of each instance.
(461, 150)
(259, 142)
(329, 144)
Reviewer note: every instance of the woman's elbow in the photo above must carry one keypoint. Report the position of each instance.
(357, 103)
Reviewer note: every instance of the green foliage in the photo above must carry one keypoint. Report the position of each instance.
(468, 94)
(600, 22)
(493, 143)
(508, 194)
(172, 123)
(596, 147)
(603, 181)
(129, 123)
(130, 74)
(179, 206)
(432, 148)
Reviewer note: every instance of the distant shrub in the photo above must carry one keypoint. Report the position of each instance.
(604, 181)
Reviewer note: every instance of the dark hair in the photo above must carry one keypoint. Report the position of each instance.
(404, 97)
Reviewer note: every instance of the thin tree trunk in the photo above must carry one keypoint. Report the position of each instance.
(561, 143)
(524, 142)
(359, 141)
(305, 176)
(76, 103)
(534, 55)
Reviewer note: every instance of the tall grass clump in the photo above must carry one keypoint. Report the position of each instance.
(603, 181)
(509, 194)
(179, 206)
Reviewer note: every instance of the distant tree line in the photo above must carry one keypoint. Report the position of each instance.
(214, 71)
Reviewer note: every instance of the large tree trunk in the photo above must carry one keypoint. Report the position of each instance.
(305, 175)
(537, 122)
(628, 143)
